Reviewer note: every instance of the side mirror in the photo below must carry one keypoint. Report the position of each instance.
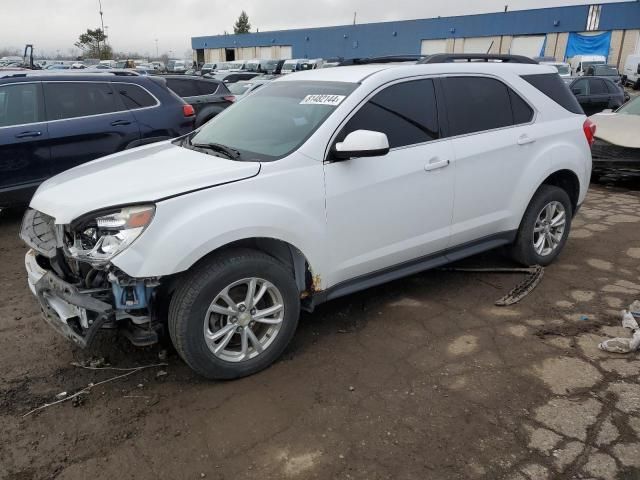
(362, 143)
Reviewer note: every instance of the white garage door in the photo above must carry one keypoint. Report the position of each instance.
(286, 52)
(477, 45)
(430, 47)
(246, 53)
(264, 53)
(529, 46)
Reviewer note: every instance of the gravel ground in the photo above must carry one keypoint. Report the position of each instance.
(423, 378)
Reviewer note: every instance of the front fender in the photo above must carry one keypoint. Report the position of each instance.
(188, 227)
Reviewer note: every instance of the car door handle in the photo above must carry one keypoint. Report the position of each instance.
(29, 134)
(120, 123)
(525, 140)
(435, 163)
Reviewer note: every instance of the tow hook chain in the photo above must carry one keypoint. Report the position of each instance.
(518, 292)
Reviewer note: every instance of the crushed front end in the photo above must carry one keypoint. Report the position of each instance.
(79, 290)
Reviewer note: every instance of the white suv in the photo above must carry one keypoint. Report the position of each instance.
(317, 185)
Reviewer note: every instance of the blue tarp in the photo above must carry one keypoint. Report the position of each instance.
(588, 44)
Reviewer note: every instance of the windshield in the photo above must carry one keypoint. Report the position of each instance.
(275, 120)
(563, 69)
(605, 71)
(290, 65)
(631, 108)
(236, 66)
(252, 66)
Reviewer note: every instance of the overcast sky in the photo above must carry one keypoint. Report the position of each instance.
(133, 25)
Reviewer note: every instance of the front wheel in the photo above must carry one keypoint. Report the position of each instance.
(544, 228)
(234, 314)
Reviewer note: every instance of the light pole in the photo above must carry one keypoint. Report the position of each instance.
(156, 40)
(102, 24)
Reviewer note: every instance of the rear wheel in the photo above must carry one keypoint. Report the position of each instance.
(235, 314)
(544, 228)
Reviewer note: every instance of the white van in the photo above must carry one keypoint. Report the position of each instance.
(564, 69)
(631, 71)
(293, 65)
(312, 64)
(579, 63)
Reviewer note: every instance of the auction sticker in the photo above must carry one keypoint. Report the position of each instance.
(331, 100)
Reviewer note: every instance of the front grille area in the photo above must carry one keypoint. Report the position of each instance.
(39, 232)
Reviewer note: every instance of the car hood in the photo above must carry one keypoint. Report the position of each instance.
(145, 174)
(618, 129)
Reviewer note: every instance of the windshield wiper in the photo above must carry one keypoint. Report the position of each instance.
(229, 152)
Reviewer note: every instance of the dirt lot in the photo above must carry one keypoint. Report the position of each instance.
(420, 379)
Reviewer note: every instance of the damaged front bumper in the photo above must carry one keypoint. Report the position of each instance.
(71, 312)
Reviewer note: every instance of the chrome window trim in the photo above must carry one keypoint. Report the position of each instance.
(158, 103)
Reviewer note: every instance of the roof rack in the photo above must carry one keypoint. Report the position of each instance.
(476, 57)
(36, 73)
(384, 59)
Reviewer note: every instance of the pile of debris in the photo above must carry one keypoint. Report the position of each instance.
(626, 345)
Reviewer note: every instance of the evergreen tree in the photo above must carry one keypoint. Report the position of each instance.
(242, 25)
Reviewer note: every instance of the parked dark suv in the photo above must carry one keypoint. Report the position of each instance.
(51, 122)
(596, 93)
(209, 97)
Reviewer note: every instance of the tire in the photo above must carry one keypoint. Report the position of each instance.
(523, 250)
(190, 318)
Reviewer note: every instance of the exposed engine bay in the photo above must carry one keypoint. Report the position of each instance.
(78, 288)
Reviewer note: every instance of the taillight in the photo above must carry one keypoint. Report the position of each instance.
(188, 111)
(230, 98)
(589, 129)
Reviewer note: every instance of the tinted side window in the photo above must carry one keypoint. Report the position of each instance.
(79, 99)
(580, 87)
(597, 86)
(207, 88)
(475, 104)
(554, 87)
(20, 104)
(183, 88)
(612, 87)
(522, 112)
(134, 96)
(405, 112)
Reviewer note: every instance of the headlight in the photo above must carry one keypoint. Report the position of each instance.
(98, 239)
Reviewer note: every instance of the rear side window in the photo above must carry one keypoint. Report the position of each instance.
(134, 96)
(553, 87)
(79, 99)
(405, 112)
(184, 88)
(597, 86)
(20, 104)
(522, 112)
(207, 88)
(612, 87)
(475, 104)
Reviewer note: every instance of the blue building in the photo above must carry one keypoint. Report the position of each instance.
(554, 32)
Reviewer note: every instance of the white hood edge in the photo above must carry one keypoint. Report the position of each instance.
(145, 174)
